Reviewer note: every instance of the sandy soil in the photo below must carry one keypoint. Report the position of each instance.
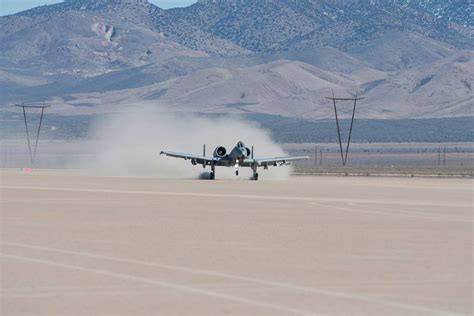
(75, 245)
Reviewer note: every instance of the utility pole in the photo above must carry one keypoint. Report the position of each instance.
(321, 156)
(24, 107)
(444, 156)
(439, 156)
(315, 156)
(334, 99)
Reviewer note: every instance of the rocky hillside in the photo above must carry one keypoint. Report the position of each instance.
(409, 58)
(119, 33)
(86, 37)
(262, 26)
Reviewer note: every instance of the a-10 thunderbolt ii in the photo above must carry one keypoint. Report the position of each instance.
(239, 156)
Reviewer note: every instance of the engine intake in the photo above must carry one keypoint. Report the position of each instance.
(220, 152)
(248, 151)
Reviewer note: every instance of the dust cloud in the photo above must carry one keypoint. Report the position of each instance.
(129, 145)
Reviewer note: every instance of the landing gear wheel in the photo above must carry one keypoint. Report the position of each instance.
(212, 176)
(255, 176)
(236, 172)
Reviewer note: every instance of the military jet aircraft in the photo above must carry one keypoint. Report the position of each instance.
(239, 156)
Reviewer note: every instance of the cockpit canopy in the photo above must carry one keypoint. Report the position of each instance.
(240, 144)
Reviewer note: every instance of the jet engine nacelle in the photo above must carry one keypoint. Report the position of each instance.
(248, 151)
(220, 152)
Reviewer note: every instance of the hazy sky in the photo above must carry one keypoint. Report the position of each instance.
(13, 6)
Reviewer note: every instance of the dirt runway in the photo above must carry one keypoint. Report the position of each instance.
(80, 245)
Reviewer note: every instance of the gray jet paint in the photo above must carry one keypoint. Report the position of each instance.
(239, 156)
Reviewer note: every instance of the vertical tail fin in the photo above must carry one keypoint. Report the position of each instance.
(252, 152)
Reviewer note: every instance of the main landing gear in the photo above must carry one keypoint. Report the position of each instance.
(212, 175)
(255, 173)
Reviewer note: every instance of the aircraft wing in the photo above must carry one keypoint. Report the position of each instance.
(195, 159)
(271, 161)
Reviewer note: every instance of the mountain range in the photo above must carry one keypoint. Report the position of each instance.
(407, 58)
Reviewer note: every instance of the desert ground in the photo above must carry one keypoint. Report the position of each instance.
(84, 245)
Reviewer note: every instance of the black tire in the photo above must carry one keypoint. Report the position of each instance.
(236, 172)
(255, 176)
(212, 176)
